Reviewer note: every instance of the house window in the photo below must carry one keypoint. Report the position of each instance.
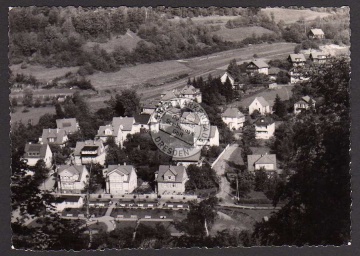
(173, 185)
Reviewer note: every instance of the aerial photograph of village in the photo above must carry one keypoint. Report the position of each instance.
(162, 127)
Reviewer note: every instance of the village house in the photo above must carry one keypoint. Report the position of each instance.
(190, 92)
(264, 128)
(120, 179)
(298, 75)
(72, 178)
(233, 118)
(171, 96)
(261, 105)
(303, 104)
(319, 57)
(171, 179)
(54, 137)
(68, 201)
(316, 33)
(273, 73)
(188, 160)
(143, 121)
(149, 106)
(127, 125)
(266, 162)
(297, 59)
(213, 139)
(35, 152)
(69, 125)
(257, 67)
(89, 151)
(227, 76)
(108, 131)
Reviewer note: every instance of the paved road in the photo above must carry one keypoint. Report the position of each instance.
(220, 168)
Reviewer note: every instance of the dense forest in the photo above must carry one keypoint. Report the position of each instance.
(57, 36)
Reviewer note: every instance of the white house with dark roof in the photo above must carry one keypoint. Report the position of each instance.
(303, 104)
(316, 33)
(171, 179)
(54, 137)
(69, 125)
(257, 66)
(108, 131)
(227, 76)
(264, 128)
(297, 59)
(35, 152)
(261, 105)
(72, 178)
(233, 118)
(299, 74)
(149, 106)
(68, 201)
(267, 162)
(120, 179)
(89, 151)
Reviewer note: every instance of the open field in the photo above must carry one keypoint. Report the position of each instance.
(32, 116)
(211, 20)
(42, 73)
(128, 41)
(291, 16)
(284, 93)
(239, 34)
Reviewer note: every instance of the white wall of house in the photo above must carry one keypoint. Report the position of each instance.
(118, 185)
(265, 166)
(70, 183)
(225, 76)
(256, 105)
(234, 123)
(264, 132)
(264, 71)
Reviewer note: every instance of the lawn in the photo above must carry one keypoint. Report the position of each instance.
(99, 226)
(154, 213)
(239, 34)
(98, 212)
(291, 16)
(42, 73)
(137, 75)
(32, 116)
(128, 41)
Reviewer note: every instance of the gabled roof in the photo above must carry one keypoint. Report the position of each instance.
(125, 123)
(294, 57)
(306, 99)
(233, 113)
(120, 169)
(152, 104)
(68, 124)
(190, 117)
(142, 118)
(264, 121)
(169, 95)
(179, 170)
(317, 31)
(261, 159)
(73, 169)
(103, 128)
(81, 144)
(259, 64)
(262, 101)
(274, 71)
(189, 90)
(227, 74)
(57, 134)
(38, 149)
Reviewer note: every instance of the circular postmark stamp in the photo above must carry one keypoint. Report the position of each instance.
(180, 127)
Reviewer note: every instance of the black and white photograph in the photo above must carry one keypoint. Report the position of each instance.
(179, 127)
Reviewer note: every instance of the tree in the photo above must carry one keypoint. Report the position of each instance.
(125, 104)
(199, 219)
(317, 209)
(201, 177)
(28, 98)
(260, 179)
(233, 69)
(279, 107)
(243, 183)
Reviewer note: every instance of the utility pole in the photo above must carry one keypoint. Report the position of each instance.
(87, 206)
